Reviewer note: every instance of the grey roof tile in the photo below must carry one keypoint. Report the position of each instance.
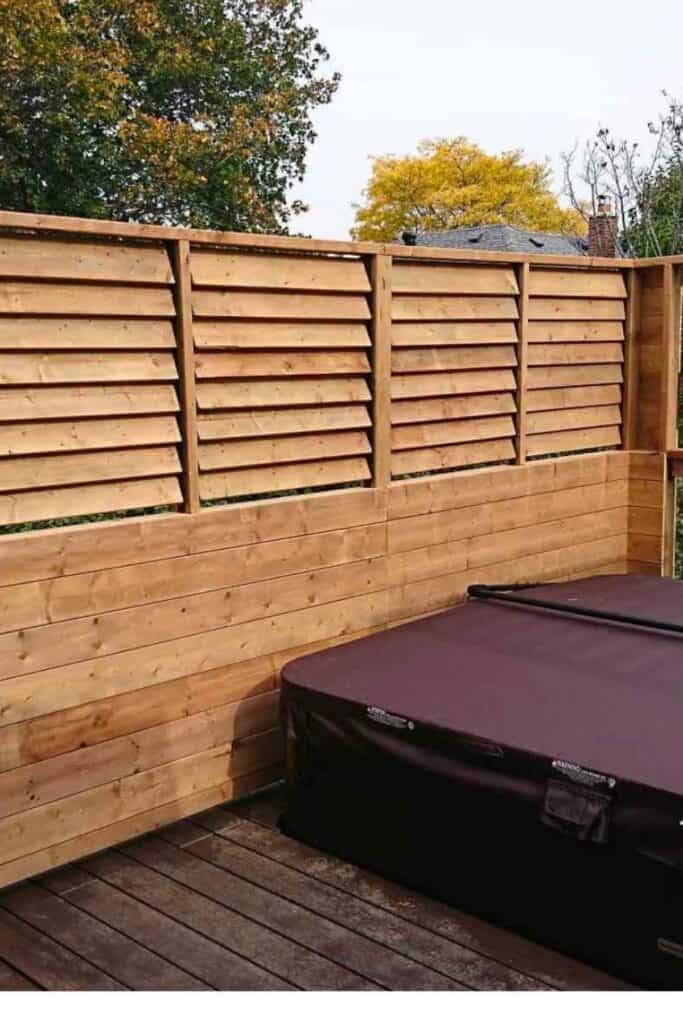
(504, 238)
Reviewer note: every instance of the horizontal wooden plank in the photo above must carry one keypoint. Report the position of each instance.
(573, 440)
(444, 332)
(265, 451)
(431, 409)
(435, 279)
(573, 419)
(37, 297)
(577, 309)
(84, 261)
(573, 376)
(464, 383)
(278, 305)
(430, 360)
(584, 352)
(216, 426)
(647, 494)
(575, 330)
(287, 477)
(90, 547)
(84, 768)
(273, 394)
(214, 365)
(501, 515)
(128, 629)
(606, 284)
(179, 575)
(451, 432)
(646, 548)
(486, 549)
(573, 398)
(46, 504)
(21, 474)
(77, 367)
(460, 307)
(451, 456)
(74, 435)
(296, 273)
(69, 686)
(31, 332)
(276, 334)
(38, 403)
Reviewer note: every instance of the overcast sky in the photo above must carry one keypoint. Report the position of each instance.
(506, 74)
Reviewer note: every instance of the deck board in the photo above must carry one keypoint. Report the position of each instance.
(225, 901)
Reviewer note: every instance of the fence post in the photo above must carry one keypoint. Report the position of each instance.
(630, 396)
(380, 278)
(522, 362)
(180, 260)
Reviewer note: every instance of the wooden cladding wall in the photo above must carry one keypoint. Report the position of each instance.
(88, 375)
(282, 370)
(139, 659)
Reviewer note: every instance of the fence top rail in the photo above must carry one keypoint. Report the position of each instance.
(14, 221)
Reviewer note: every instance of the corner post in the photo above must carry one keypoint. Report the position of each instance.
(180, 261)
(523, 275)
(380, 278)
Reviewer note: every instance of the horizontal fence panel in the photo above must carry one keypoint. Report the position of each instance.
(88, 378)
(576, 352)
(425, 279)
(84, 261)
(454, 357)
(296, 273)
(287, 337)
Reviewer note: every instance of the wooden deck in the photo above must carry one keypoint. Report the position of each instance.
(224, 901)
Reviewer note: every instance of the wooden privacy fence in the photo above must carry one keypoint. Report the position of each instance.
(387, 426)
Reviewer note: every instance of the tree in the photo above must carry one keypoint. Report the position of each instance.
(190, 111)
(645, 188)
(453, 183)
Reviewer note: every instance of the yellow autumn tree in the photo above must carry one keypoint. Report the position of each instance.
(452, 183)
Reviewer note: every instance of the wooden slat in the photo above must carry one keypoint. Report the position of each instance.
(245, 334)
(576, 330)
(27, 473)
(75, 435)
(287, 364)
(451, 432)
(423, 279)
(521, 398)
(264, 452)
(278, 305)
(577, 309)
(296, 273)
(630, 390)
(429, 360)
(428, 409)
(36, 297)
(585, 352)
(50, 333)
(577, 284)
(84, 261)
(180, 255)
(467, 382)
(216, 426)
(39, 506)
(573, 398)
(381, 277)
(76, 367)
(443, 332)
(291, 476)
(573, 419)
(574, 440)
(452, 456)
(272, 394)
(573, 376)
(38, 403)
(453, 308)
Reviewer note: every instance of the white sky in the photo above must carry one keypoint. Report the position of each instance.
(505, 73)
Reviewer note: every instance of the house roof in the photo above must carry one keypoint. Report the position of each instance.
(504, 238)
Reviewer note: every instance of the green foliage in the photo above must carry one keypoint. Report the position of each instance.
(190, 111)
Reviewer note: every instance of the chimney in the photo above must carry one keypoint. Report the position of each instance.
(603, 230)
